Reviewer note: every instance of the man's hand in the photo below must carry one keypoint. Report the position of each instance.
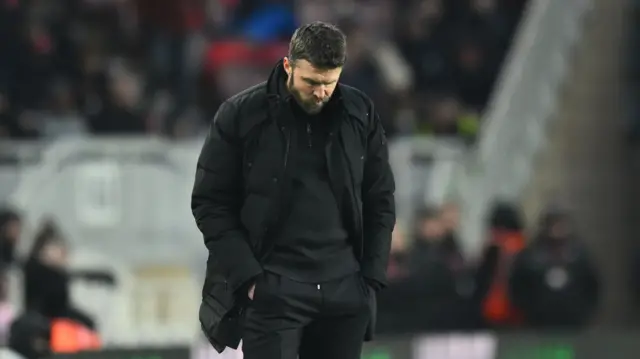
(252, 289)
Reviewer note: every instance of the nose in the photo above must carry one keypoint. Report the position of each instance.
(320, 92)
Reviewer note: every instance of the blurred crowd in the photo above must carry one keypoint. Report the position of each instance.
(546, 280)
(163, 66)
(542, 281)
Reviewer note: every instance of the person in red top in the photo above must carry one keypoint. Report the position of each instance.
(506, 240)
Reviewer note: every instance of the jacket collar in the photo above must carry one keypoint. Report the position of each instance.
(276, 83)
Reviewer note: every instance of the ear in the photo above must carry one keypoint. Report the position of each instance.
(286, 63)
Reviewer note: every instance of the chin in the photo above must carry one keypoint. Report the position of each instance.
(314, 110)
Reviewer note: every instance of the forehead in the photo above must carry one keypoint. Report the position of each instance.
(305, 69)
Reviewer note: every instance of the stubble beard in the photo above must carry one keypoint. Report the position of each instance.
(308, 107)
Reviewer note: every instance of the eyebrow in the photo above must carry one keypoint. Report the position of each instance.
(315, 82)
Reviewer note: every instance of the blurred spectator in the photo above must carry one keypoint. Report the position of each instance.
(10, 230)
(435, 296)
(445, 116)
(506, 240)
(421, 35)
(489, 22)
(362, 71)
(553, 280)
(121, 112)
(429, 65)
(431, 244)
(476, 68)
(47, 278)
(172, 30)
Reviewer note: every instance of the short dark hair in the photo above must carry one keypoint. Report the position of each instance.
(320, 43)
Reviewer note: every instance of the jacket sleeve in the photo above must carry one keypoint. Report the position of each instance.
(217, 198)
(378, 204)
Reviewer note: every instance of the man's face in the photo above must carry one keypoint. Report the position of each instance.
(312, 88)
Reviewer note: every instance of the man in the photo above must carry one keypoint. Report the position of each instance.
(295, 198)
(554, 280)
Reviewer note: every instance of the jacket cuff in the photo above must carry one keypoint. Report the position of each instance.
(374, 273)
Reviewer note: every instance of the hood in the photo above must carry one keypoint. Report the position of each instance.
(277, 82)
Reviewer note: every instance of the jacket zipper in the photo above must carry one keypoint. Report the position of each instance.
(309, 138)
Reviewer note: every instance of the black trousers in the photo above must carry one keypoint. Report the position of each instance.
(290, 320)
